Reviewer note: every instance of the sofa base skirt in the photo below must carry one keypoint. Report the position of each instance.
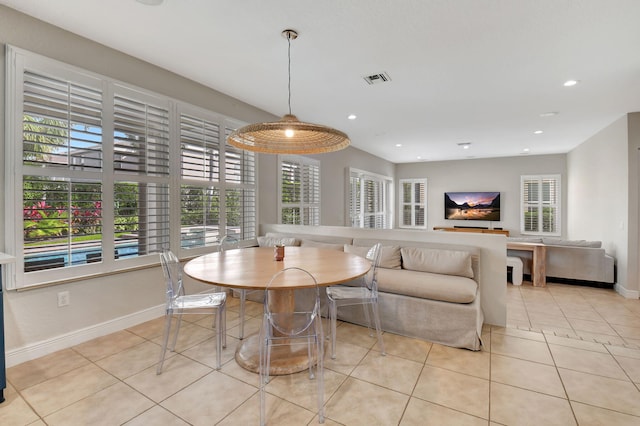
(450, 324)
(571, 281)
(458, 325)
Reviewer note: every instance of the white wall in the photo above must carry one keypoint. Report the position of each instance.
(633, 255)
(598, 202)
(494, 174)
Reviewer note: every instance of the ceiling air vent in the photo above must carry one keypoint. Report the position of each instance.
(383, 77)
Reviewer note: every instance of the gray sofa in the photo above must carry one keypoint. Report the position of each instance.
(577, 260)
(426, 290)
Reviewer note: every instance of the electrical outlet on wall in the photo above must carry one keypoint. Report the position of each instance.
(64, 299)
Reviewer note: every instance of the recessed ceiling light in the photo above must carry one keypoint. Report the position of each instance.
(549, 114)
(570, 83)
(525, 150)
(419, 158)
(465, 145)
(538, 132)
(398, 145)
(352, 116)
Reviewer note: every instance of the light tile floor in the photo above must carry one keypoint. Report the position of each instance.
(569, 355)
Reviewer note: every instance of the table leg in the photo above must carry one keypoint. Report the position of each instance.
(539, 268)
(284, 359)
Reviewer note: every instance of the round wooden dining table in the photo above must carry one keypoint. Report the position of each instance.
(253, 268)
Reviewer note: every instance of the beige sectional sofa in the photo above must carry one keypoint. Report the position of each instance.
(426, 290)
(577, 260)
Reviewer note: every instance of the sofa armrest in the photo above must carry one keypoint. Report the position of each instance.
(579, 263)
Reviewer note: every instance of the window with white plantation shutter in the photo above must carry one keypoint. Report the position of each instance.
(199, 148)
(355, 198)
(62, 124)
(413, 196)
(299, 190)
(369, 200)
(239, 165)
(92, 182)
(62, 217)
(199, 200)
(141, 169)
(140, 138)
(217, 194)
(540, 206)
(200, 215)
(240, 213)
(141, 215)
(58, 166)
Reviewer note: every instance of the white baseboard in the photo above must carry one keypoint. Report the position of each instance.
(46, 347)
(628, 294)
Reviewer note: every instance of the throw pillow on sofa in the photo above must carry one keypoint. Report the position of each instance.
(281, 241)
(389, 258)
(448, 262)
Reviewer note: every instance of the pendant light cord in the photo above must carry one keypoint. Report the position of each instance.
(289, 58)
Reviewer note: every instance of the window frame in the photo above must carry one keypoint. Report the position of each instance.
(358, 219)
(540, 204)
(310, 189)
(20, 61)
(412, 203)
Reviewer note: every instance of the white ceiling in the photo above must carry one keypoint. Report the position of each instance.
(478, 71)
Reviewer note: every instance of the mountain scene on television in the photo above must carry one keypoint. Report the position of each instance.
(472, 205)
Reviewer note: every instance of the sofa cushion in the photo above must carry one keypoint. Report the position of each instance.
(571, 243)
(447, 262)
(426, 285)
(317, 244)
(389, 258)
(277, 241)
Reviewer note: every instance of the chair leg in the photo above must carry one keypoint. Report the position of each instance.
(267, 377)
(376, 319)
(319, 369)
(224, 325)
(367, 318)
(175, 336)
(310, 350)
(165, 342)
(243, 296)
(219, 338)
(263, 370)
(333, 318)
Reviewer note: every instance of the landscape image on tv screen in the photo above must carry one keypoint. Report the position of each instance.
(472, 205)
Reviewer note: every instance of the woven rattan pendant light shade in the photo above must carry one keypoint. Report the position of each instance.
(288, 135)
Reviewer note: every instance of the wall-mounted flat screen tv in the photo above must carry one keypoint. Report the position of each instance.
(472, 206)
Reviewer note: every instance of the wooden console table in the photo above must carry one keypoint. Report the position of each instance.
(477, 230)
(539, 270)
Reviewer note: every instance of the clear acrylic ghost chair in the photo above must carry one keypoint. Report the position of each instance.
(302, 326)
(366, 294)
(179, 303)
(229, 242)
(226, 242)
